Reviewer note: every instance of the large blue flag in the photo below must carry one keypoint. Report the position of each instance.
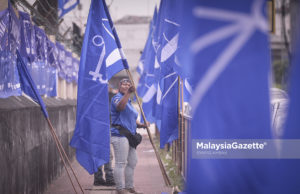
(64, 6)
(225, 51)
(91, 137)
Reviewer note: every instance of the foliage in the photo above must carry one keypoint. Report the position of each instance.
(280, 72)
(170, 166)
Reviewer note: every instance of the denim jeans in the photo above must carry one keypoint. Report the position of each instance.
(125, 162)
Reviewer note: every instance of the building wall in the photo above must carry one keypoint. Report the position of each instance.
(29, 159)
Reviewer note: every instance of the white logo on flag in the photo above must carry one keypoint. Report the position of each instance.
(244, 26)
(96, 74)
(149, 94)
(170, 48)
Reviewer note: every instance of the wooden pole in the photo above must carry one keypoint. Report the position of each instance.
(165, 176)
(182, 124)
(178, 142)
(61, 156)
(63, 153)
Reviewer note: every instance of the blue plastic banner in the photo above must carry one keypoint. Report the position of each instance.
(64, 6)
(10, 42)
(75, 70)
(69, 67)
(61, 60)
(27, 84)
(28, 47)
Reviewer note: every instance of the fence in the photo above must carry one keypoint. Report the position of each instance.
(180, 146)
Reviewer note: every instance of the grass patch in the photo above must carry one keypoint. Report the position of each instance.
(170, 166)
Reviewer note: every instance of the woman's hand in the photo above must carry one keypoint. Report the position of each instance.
(131, 89)
(143, 125)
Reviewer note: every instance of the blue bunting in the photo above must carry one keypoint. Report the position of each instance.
(27, 84)
(10, 42)
(64, 6)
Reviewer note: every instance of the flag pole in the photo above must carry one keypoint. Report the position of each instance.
(60, 152)
(59, 146)
(178, 109)
(162, 168)
(182, 121)
(37, 98)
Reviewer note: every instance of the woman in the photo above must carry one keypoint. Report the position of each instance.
(123, 117)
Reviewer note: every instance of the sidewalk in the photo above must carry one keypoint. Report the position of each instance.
(148, 177)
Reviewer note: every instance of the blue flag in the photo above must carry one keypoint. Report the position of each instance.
(167, 96)
(27, 84)
(116, 60)
(187, 90)
(146, 61)
(225, 51)
(142, 61)
(147, 87)
(64, 6)
(91, 137)
(147, 84)
(158, 36)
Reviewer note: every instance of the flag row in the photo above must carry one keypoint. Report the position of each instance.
(221, 51)
(160, 71)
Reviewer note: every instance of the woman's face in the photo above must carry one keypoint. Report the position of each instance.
(124, 86)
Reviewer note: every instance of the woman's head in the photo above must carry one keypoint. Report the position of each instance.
(124, 85)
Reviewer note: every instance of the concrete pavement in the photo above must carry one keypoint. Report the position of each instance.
(148, 177)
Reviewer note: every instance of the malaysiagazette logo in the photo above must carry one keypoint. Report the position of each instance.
(230, 146)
